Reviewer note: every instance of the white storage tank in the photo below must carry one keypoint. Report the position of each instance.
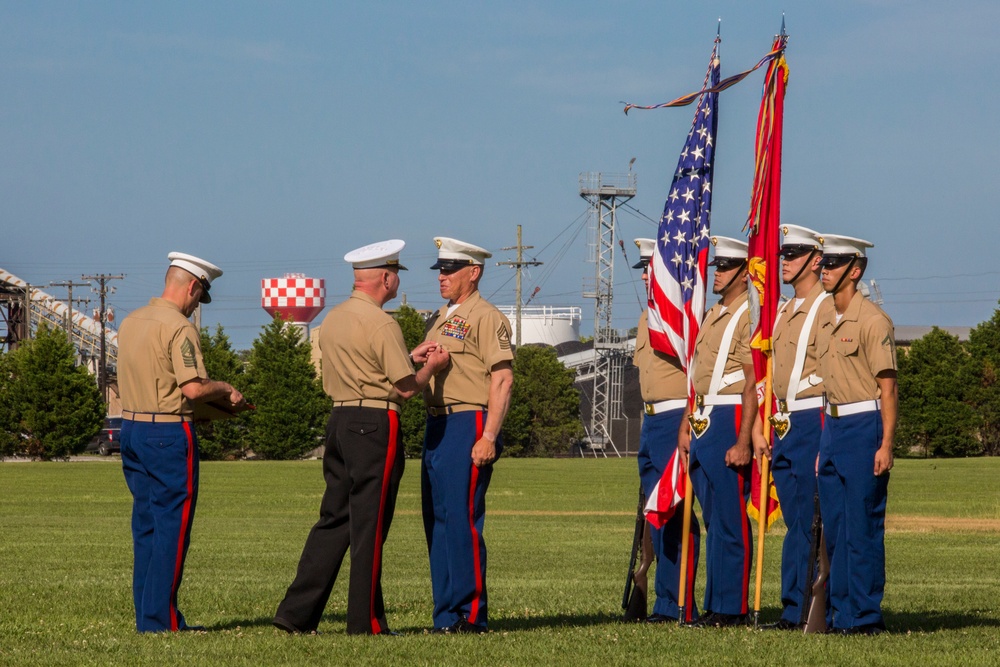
(550, 325)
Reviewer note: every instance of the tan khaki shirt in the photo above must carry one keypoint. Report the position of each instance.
(787, 332)
(854, 351)
(158, 350)
(363, 351)
(661, 377)
(477, 336)
(707, 348)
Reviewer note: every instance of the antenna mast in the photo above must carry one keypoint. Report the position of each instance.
(604, 192)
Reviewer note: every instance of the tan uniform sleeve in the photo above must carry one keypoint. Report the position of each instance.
(185, 356)
(390, 348)
(494, 338)
(741, 350)
(641, 339)
(880, 346)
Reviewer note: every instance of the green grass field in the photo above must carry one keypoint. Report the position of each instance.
(559, 533)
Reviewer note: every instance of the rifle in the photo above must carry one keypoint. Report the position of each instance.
(814, 600)
(634, 599)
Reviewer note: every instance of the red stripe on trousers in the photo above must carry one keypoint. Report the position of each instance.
(474, 608)
(390, 458)
(185, 522)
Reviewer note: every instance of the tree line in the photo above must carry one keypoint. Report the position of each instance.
(949, 394)
(50, 408)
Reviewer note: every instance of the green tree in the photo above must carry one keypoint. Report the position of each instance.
(291, 406)
(544, 417)
(983, 381)
(935, 417)
(413, 417)
(222, 439)
(49, 406)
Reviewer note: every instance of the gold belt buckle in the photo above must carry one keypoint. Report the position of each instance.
(649, 409)
(833, 411)
(699, 400)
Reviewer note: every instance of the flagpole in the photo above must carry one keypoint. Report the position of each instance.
(685, 538)
(765, 493)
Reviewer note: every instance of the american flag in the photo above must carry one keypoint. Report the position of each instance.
(678, 267)
(678, 271)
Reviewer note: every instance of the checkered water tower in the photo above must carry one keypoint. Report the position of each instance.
(295, 298)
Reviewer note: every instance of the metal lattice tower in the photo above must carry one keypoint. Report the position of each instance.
(604, 192)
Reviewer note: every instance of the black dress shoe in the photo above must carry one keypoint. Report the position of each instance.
(657, 619)
(194, 628)
(870, 630)
(701, 621)
(461, 627)
(781, 625)
(282, 624)
(715, 620)
(730, 620)
(464, 627)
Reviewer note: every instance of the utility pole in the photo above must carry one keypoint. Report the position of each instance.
(102, 370)
(69, 285)
(26, 309)
(517, 280)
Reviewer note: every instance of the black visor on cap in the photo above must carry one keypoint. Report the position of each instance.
(642, 263)
(727, 263)
(205, 286)
(794, 250)
(391, 265)
(834, 261)
(451, 264)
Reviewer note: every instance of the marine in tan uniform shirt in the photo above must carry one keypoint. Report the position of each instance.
(721, 452)
(663, 386)
(466, 405)
(798, 414)
(368, 374)
(858, 364)
(164, 385)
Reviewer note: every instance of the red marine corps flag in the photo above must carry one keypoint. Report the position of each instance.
(763, 222)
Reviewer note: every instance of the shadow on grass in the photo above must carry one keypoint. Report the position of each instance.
(897, 622)
(933, 621)
(538, 622)
(266, 621)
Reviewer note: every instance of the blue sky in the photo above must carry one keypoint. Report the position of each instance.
(275, 137)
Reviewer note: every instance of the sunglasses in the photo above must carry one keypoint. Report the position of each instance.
(728, 265)
(836, 261)
(794, 252)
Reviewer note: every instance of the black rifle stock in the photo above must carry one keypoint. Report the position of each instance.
(814, 601)
(634, 599)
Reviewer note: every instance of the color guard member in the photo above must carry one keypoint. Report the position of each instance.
(797, 420)
(722, 423)
(466, 405)
(857, 360)
(162, 379)
(368, 374)
(663, 385)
